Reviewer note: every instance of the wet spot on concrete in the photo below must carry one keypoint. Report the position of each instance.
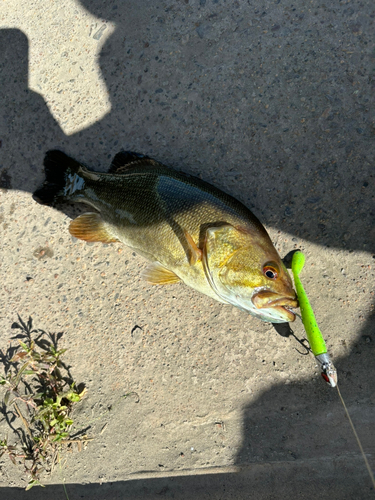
(203, 30)
(42, 253)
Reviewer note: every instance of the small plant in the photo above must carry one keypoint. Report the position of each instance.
(40, 391)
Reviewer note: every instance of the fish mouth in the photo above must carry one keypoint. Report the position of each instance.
(279, 303)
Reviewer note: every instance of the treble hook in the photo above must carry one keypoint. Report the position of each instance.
(302, 342)
(284, 330)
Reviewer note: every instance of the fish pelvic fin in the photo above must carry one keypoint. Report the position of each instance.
(156, 274)
(91, 227)
(57, 167)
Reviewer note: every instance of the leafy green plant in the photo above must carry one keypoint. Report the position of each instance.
(40, 391)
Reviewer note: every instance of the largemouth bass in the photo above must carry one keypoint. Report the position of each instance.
(189, 230)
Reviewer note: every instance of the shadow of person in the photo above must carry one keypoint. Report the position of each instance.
(302, 431)
(26, 126)
(173, 87)
(183, 93)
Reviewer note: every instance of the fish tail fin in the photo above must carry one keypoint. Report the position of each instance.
(57, 167)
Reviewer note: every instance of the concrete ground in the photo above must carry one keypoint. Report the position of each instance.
(274, 103)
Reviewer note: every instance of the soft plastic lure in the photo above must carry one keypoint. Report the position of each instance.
(314, 335)
(318, 345)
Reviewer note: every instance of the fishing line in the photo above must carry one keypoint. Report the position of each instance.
(357, 438)
(318, 346)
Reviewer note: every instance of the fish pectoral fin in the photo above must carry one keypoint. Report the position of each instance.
(195, 253)
(91, 227)
(156, 274)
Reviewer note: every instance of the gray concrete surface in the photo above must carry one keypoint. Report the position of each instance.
(271, 101)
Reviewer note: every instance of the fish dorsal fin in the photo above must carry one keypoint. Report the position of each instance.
(91, 227)
(156, 274)
(126, 160)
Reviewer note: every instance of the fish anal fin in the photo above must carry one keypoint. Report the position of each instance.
(126, 160)
(91, 227)
(195, 252)
(156, 274)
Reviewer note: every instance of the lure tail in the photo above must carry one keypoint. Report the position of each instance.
(60, 169)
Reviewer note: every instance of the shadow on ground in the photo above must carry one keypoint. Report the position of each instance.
(260, 481)
(194, 86)
(310, 450)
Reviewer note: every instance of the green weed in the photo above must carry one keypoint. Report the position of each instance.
(40, 391)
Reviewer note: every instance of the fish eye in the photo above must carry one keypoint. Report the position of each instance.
(270, 272)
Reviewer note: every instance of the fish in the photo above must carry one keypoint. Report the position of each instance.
(189, 230)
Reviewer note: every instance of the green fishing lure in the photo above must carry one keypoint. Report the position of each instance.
(314, 335)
